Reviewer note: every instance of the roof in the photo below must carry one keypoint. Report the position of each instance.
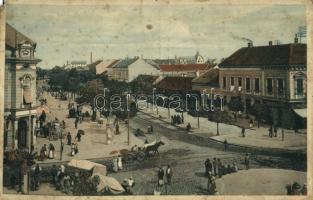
(175, 83)
(153, 63)
(164, 61)
(93, 65)
(185, 67)
(125, 62)
(14, 37)
(286, 54)
(104, 65)
(210, 77)
(78, 62)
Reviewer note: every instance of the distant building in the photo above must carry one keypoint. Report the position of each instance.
(207, 81)
(104, 66)
(128, 69)
(191, 70)
(76, 64)
(196, 59)
(19, 91)
(274, 75)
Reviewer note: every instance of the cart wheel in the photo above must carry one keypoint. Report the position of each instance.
(141, 156)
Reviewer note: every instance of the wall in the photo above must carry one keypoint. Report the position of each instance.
(140, 67)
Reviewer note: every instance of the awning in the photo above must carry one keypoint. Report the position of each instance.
(27, 95)
(301, 112)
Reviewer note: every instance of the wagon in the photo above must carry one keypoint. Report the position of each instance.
(142, 153)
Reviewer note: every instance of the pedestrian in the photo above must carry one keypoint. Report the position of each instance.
(160, 177)
(208, 166)
(66, 184)
(115, 166)
(146, 141)
(63, 124)
(169, 174)
(172, 120)
(225, 145)
(188, 127)
(51, 151)
(76, 122)
(270, 131)
(219, 167)
(304, 189)
(119, 162)
(229, 169)
(54, 173)
(289, 189)
(117, 129)
(247, 161)
(76, 148)
(151, 128)
(243, 132)
(234, 167)
(72, 149)
(37, 176)
(69, 138)
(275, 131)
(214, 166)
(78, 136)
(251, 123)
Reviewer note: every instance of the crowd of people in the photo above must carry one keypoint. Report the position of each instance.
(177, 119)
(167, 175)
(47, 152)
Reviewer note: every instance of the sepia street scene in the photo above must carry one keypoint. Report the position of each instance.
(155, 99)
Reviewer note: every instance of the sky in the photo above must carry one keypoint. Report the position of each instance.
(66, 33)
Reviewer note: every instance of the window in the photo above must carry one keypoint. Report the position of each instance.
(280, 86)
(269, 83)
(299, 87)
(240, 82)
(248, 86)
(232, 81)
(257, 85)
(224, 82)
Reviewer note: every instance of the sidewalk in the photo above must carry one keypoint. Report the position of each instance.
(257, 137)
(93, 142)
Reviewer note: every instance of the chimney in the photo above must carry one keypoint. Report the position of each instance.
(250, 44)
(270, 43)
(296, 39)
(90, 57)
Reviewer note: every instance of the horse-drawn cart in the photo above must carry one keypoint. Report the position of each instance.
(141, 153)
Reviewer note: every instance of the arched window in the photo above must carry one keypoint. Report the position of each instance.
(27, 97)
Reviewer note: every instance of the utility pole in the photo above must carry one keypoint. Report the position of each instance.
(128, 119)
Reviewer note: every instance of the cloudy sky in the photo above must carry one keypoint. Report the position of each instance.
(115, 31)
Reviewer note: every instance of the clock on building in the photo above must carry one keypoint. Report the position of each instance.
(25, 52)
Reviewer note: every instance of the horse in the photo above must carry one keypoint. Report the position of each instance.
(153, 148)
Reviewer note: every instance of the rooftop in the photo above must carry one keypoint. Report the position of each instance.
(13, 37)
(185, 67)
(209, 78)
(285, 54)
(175, 83)
(125, 62)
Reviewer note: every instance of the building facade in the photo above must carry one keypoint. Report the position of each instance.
(130, 68)
(20, 91)
(274, 75)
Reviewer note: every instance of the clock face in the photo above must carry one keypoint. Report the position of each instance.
(25, 52)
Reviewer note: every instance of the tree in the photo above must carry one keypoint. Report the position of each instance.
(218, 117)
(286, 120)
(235, 104)
(261, 112)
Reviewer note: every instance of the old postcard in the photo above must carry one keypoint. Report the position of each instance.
(134, 98)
